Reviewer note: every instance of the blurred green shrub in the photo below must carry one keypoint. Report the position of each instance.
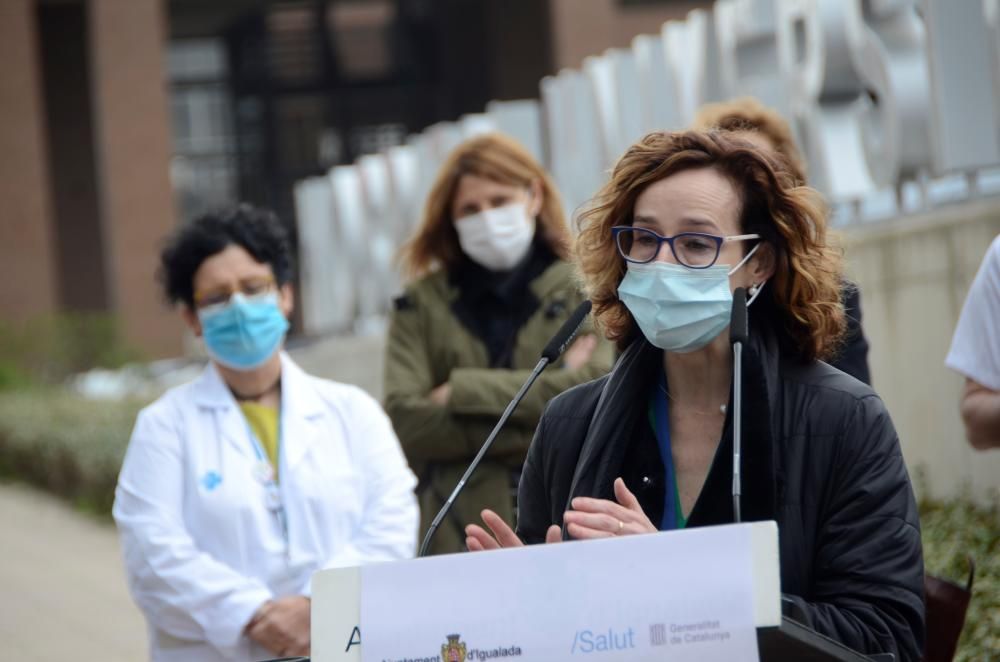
(48, 349)
(68, 445)
(952, 531)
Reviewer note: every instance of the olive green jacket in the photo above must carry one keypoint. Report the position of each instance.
(428, 346)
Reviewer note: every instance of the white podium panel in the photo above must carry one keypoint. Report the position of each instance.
(636, 597)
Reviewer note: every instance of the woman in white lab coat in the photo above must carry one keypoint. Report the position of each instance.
(238, 486)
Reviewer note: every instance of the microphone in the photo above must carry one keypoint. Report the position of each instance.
(739, 333)
(553, 350)
(557, 345)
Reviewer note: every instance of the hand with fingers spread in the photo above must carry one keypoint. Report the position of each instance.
(478, 539)
(601, 518)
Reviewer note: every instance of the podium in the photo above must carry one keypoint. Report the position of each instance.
(540, 572)
(791, 640)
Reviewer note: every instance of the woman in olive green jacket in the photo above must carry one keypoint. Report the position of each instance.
(490, 285)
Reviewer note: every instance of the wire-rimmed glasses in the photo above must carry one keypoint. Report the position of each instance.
(253, 287)
(695, 250)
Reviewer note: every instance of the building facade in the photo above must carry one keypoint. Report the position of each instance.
(118, 119)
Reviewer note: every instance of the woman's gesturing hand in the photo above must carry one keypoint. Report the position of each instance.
(477, 539)
(590, 518)
(601, 518)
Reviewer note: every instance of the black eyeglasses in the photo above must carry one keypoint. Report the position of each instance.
(695, 250)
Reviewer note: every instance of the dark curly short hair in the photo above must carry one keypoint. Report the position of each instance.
(258, 231)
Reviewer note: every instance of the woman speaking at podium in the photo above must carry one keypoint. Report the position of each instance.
(685, 219)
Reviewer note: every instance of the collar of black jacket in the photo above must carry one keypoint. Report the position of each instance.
(622, 406)
(494, 306)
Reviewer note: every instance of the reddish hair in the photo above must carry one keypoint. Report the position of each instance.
(746, 114)
(500, 159)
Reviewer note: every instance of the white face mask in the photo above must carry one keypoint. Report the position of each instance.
(497, 238)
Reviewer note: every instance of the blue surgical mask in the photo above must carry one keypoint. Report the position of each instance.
(244, 333)
(679, 309)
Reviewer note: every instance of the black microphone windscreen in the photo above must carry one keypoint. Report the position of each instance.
(738, 329)
(564, 335)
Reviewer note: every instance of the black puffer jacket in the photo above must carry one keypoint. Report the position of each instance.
(853, 356)
(820, 456)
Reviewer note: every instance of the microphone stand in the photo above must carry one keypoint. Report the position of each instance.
(738, 334)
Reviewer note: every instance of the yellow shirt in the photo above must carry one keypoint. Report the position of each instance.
(263, 421)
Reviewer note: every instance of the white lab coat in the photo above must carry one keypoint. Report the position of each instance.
(203, 551)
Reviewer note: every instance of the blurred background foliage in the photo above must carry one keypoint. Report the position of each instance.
(66, 444)
(953, 531)
(48, 349)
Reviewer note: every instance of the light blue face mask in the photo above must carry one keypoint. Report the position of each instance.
(244, 333)
(680, 309)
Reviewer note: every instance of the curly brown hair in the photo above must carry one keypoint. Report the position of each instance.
(750, 115)
(802, 300)
(495, 157)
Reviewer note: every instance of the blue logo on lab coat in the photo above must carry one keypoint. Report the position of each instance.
(211, 480)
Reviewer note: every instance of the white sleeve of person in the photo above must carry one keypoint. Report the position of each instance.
(975, 348)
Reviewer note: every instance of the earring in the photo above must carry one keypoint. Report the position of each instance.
(752, 291)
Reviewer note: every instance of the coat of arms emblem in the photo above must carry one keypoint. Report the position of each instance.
(454, 650)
